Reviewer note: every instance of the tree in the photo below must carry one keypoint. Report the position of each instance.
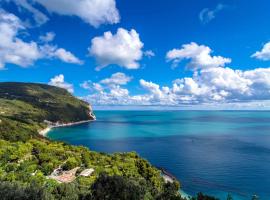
(66, 192)
(15, 191)
(170, 192)
(70, 163)
(116, 187)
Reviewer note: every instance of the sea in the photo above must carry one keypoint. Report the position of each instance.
(214, 152)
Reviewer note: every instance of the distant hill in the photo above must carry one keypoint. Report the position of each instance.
(25, 106)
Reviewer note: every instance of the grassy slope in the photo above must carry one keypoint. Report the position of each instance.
(25, 106)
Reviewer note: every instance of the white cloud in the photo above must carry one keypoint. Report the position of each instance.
(48, 37)
(199, 56)
(67, 56)
(151, 87)
(59, 81)
(117, 92)
(225, 85)
(211, 84)
(94, 12)
(207, 15)
(117, 79)
(207, 86)
(89, 85)
(39, 17)
(86, 85)
(53, 52)
(14, 50)
(264, 54)
(149, 53)
(112, 84)
(123, 49)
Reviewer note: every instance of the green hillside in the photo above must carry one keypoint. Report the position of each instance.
(25, 106)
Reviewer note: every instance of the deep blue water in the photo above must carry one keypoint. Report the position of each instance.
(216, 152)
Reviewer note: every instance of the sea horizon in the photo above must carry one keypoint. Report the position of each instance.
(169, 108)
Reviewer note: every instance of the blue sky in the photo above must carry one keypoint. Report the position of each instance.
(224, 61)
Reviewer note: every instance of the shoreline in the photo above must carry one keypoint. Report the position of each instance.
(168, 177)
(44, 131)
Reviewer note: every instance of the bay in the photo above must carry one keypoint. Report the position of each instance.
(215, 152)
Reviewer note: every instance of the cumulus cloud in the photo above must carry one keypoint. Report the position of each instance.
(198, 55)
(109, 90)
(123, 49)
(53, 52)
(39, 17)
(211, 84)
(94, 12)
(113, 82)
(59, 81)
(208, 86)
(149, 53)
(263, 54)
(117, 79)
(66, 56)
(207, 15)
(14, 50)
(48, 37)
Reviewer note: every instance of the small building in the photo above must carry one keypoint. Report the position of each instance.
(64, 176)
(87, 172)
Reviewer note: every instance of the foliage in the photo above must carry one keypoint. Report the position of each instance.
(34, 160)
(118, 187)
(70, 163)
(16, 191)
(169, 192)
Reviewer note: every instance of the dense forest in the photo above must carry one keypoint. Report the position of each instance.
(26, 167)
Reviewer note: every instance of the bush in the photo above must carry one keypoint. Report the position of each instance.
(15, 191)
(116, 187)
(70, 164)
(66, 192)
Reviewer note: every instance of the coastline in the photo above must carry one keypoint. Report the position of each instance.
(44, 131)
(168, 177)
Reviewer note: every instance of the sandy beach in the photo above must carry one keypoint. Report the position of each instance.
(44, 132)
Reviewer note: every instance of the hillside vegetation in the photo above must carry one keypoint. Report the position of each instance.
(27, 164)
(25, 106)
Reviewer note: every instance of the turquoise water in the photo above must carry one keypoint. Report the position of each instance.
(216, 152)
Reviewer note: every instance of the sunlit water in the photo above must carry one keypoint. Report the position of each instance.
(216, 152)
